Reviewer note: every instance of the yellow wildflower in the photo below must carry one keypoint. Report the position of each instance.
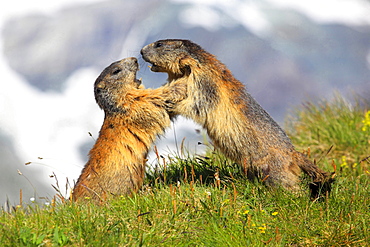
(366, 122)
(344, 162)
(262, 228)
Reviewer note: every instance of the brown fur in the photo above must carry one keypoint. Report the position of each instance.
(234, 121)
(134, 117)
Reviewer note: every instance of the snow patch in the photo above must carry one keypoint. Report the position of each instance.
(20, 7)
(354, 12)
(251, 14)
(213, 15)
(201, 16)
(51, 125)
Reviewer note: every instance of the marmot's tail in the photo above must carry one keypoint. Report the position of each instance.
(321, 181)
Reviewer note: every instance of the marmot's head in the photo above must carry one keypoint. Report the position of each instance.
(173, 56)
(113, 83)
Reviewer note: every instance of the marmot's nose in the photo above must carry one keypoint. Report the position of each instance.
(141, 51)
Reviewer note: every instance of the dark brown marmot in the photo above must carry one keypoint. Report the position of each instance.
(234, 121)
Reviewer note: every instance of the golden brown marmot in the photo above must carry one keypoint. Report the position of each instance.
(134, 117)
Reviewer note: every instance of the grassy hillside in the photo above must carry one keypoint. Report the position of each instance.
(206, 201)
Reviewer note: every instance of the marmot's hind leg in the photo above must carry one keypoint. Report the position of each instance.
(280, 171)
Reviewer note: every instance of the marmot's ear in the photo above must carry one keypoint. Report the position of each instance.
(100, 84)
(187, 61)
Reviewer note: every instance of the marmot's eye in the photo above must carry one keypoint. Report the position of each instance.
(159, 44)
(116, 71)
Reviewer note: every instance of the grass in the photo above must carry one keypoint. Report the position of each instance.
(206, 201)
(337, 130)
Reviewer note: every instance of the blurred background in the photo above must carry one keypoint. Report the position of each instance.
(285, 52)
